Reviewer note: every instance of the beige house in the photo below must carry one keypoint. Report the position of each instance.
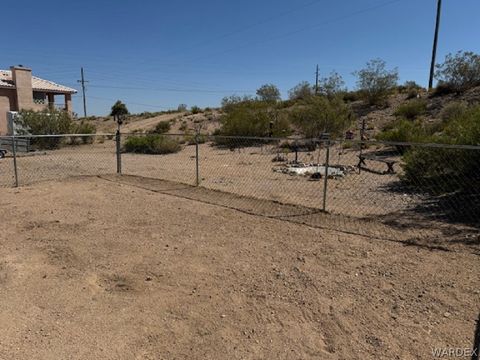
(19, 90)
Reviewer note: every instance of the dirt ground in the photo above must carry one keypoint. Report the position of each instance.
(95, 269)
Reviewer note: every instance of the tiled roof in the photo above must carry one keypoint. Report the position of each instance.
(37, 84)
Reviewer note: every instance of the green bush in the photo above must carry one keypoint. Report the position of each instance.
(253, 118)
(195, 110)
(162, 127)
(84, 128)
(151, 144)
(443, 89)
(453, 110)
(351, 96)
(318, 115)
(460, 71)
(412, 109)
(45, 122)
(447, 169)
(406, 131)
(375, 82)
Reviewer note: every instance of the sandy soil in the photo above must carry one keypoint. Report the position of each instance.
(93, 269)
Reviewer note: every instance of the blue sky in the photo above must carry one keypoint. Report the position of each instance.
(154, 54)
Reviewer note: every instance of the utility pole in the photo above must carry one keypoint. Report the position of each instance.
(316, 81)
(435, 43)
(83, 81)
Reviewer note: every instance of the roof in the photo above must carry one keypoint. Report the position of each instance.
(38, 84)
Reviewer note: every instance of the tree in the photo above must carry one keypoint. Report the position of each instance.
(318, 115)
(332, 85)
(182, 107)
(118, 109)
(460, 71)
(375, 82)
(301, 91)
(268, 93)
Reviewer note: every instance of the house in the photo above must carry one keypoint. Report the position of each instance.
(19, 90)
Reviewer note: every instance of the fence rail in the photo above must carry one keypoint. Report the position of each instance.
(407, 187)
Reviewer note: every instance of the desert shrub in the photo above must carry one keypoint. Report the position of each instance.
(183, 126)
(453, 110)
(412, 109)
(268, 93)
(84, 128)
(301, 91)
(404, 130)
(151, 144)
(45, 122)
(182, 108)
(460, 71)
(195, 109)
(319, 115)
(443, 89)
(192, 139)
(447, 169)
(162, 127)
(253, 118)
(332, 85)
(351, 96)
(375, 82)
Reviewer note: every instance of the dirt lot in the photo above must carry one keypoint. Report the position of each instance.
(94, 269)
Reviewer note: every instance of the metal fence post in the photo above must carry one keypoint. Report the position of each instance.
(325, 179)
(119, 153)
(14, 151)
(197, 162)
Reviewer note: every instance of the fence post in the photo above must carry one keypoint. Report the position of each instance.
(325, 179)
(197, 162)
(14, 151)
(118, 151)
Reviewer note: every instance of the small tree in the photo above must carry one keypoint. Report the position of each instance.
(460, 71)
(375, 82)
(332, 85)
(119, 108)
(268, 93)
(301, 91)
(182, 107)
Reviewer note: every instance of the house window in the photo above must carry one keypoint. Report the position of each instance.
(39, 97)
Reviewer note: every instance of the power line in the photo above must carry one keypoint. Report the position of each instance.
(172, 89)
(288, 34)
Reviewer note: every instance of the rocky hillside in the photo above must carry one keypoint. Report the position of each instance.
(377, 118)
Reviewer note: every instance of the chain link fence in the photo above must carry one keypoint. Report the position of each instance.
(397, 190)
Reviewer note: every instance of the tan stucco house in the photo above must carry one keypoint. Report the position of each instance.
(19, 90)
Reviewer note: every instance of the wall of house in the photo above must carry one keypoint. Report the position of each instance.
(7, 103)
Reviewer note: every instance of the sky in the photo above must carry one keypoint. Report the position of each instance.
(154, 55)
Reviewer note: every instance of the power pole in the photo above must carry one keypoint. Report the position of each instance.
(83, 81)
(316, 81)
(435, 43)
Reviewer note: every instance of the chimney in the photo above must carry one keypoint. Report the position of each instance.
(22, 78)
